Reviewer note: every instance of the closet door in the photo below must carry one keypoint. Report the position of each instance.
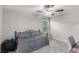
(45, 26)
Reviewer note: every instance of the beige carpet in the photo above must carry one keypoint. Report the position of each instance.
(55, 46)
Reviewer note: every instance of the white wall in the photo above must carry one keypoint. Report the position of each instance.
(1, 19)
(62, 26)
(66, 25)
(16, 21)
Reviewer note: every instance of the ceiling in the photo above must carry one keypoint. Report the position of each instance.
(21, 8)
(31, 8)
(26, 9)
(70, 15)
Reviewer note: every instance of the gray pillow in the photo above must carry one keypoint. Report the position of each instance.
(24, 34)
(36, 33)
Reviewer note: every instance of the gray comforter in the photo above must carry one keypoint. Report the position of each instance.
(31, 40)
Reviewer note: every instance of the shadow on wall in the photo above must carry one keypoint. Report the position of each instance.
(20, 22)
(66, 25)
(62, 31)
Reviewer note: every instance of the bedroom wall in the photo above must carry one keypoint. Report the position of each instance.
(1, 20)
(61, 26)
(15, 21)
(66, 25)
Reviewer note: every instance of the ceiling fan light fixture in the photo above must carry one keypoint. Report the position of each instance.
(50, 9)
(50, 14)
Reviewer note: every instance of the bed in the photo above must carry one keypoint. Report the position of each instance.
(30, 40)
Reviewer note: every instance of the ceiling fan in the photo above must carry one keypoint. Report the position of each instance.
(49, 10)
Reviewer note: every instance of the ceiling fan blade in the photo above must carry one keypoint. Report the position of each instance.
(39, 11)
(61, 10)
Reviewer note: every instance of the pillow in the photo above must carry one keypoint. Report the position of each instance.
(28, 33)
(24, 34)
(36, 33)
